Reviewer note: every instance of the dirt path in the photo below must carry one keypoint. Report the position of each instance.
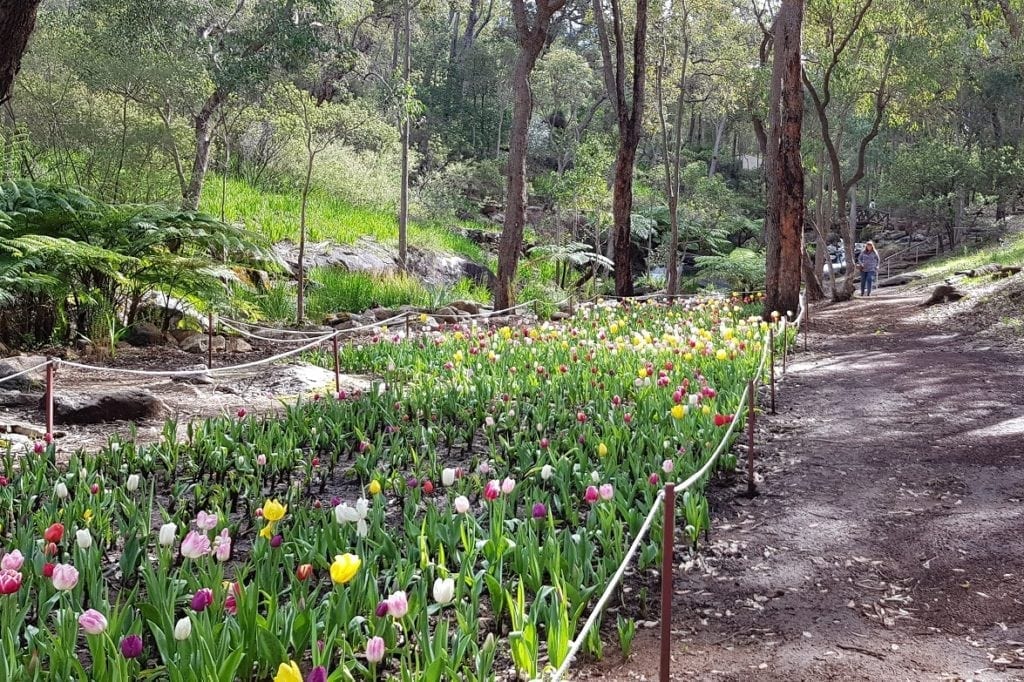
(888, 541)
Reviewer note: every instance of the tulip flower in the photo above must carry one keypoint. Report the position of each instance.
(168, 533)
(84, 538)
(606, 492)
(65, 577)
(48, 570)
(374, 488)
(222, 546)
(668, 466)
(183, 629)
(492, 490)
(54, 533)
(61, 490)
(678, 411)
(357, 514)
(508, 485)
(304, 572)
(93, 622)
(602, 450)
(10, 581)
(382, 609)
(261, 460)
(398, 604)
(12, 561)
(133, 483)
(288, 672)
(317, 674)
(375, 650)
(274, 511)
(131, 646)
(344, 568)
(539, 510)
(444, 590)
(195, 545)
(721, 420)
(202, 599)
(206, 521)
(546, 472)
(590, 495)
(448, 477)
(461, 504)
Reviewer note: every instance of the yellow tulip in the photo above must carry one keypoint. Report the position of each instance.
(374, 487)
(274, 510)
(678, 411)
(267, 531)
(722, 354)
(288, 672)
(602, 450)
(344, 568)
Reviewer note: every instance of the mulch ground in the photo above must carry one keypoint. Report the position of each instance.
(888, 539)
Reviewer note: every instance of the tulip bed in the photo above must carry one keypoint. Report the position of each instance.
(454, 522)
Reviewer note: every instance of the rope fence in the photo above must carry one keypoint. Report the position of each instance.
(665, 500)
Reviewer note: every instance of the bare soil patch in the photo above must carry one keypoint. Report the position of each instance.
(888, 539)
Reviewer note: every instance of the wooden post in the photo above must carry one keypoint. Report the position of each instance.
(785, 346)
(751, 397)
(209, 341)
(572, 305)
(337, 365)
(667, 560)
(50, 381)
(771, 360)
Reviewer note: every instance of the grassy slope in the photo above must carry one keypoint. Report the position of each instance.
(276, 216)
(1010, 252)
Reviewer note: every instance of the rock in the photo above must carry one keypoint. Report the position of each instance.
(431, 324)
(559, 315)
(236, 344)
(146, 334)
(466, 307)
(124, 405)
(448, 315)
(199, 342)
(381, 314)
(181, 334)
(901, 279)
(20, 363)
(194, 378)
(18, 398)
(169, 340)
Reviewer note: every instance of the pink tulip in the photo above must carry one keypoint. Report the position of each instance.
(195, 545)
(398, 604)
(591, 494)
(12, 561)
(668, 466)
(261, 460)
(508, 485)
(492, 490)
(222, 546)
(375, 650)
(206, 521)
(93, 622)
(10, 581)
(65, 577)
(607, 492)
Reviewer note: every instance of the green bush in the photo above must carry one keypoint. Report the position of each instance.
(332, 290)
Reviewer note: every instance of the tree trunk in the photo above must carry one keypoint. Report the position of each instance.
(719, 131)
(300, 308)
(201, 160)
(17, 20)
(403, 208)
(785, 220)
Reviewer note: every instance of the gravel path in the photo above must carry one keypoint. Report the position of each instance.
(888, 539)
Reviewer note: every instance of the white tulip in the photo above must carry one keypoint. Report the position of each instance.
(448, 476)
(547, 471)
(133, 483)
(182, 629)
(444, 590)
(168, 533)
(60, 490)
(83, 538)
(461, 504)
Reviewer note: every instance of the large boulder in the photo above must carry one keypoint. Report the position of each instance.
(466, 306)
(19, 363)
(146, 334)
(199, 343)
(123, 405)
(236, 344)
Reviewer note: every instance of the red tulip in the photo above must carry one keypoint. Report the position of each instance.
(54, 533)
(304, 571)
(428, 487)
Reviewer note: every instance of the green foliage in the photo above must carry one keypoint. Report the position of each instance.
(333, 290)
(88, 258)
(741, 269)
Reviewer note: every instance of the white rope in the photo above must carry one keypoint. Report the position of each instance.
(199, 372)
(294, 332)
(266, 338)
(24, 371)
(599, 607)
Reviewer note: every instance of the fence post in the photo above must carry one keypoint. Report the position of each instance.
(209, 340)
(337, 365)
(751, 397)
(807, 322)
(51, 379)
(667, 561)
(785, 346)
(771, 359)
(407, 325)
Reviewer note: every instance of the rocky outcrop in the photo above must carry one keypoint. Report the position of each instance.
(19, 363)
(94, 408)
(146, 334)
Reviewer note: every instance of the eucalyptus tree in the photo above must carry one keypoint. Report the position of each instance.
(17, 21)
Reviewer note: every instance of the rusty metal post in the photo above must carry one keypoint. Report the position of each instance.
(209, 341)
(771, 360)
(667, 559)
(407, 325)
(751, 397)
(337, 365)
(51, 379)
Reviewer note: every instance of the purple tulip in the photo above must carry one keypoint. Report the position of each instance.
(201, 599)
(382, 609)
(539, 510)
(276, 541)
(317, 674)
(131, 646)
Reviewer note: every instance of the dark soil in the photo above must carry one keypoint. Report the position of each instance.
(887, 542)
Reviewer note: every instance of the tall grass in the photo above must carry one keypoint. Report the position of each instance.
(332, 290)
(1009, 252)
(276, 216)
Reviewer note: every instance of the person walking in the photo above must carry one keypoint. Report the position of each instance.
(868, 263)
